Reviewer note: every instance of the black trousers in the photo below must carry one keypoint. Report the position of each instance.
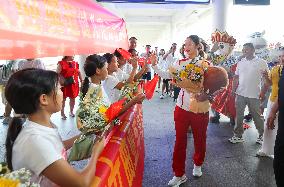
(278, 165)
(278, 162)
(166, 82)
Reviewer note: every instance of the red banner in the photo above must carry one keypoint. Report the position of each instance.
(121, 163)
(42, 28)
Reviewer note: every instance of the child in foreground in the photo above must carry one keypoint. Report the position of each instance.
(36, 144)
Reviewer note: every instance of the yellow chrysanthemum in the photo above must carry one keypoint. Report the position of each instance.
(189, 66)
(197, 70)
(102, 109)
(9, 183)
(183, 74)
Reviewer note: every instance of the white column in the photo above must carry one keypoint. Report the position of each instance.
(220, 8)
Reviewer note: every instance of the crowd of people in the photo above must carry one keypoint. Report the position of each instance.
(35, 94)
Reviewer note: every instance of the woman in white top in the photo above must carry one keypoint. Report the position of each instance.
(185, 117)
(116, 79)
(96, 69)
(36, 144)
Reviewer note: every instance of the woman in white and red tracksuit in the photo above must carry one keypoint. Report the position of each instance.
(184, 118)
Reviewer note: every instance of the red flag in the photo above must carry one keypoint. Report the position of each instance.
(149, 87)
(124, 53)
(114, 109)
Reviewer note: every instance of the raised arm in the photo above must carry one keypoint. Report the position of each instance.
(165, 74)
(134, 64)
(140, 73)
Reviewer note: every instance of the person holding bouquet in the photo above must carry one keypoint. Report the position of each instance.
(186, 115)
(36, 144)
(91, 116)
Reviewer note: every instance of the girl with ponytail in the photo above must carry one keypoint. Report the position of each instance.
(35, 144)
(96, 70)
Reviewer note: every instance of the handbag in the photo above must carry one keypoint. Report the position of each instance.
(68, 81)
(82, 148)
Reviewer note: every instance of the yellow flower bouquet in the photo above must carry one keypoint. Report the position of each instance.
(91, 114)
(190, 74)
(17, 178)
(128, 91)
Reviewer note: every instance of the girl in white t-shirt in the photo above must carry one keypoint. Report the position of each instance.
(117, 79)
(96, 70)
(36, 145)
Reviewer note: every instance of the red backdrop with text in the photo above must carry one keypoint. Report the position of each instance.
(32, 28)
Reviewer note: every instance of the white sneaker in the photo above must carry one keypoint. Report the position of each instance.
(196, 172)
(176, 181)
(260, 153)
(259, 140)
(162, 96)
(236, 139)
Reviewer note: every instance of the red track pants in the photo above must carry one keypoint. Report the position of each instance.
(198, 122)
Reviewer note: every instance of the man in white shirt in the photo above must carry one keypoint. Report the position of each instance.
(160, 64)
(132, 42)
(146, 55)
(169, 59)
(248, 78)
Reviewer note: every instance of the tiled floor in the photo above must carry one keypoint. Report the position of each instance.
(226, 165)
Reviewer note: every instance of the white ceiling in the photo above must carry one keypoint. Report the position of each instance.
(147, 21)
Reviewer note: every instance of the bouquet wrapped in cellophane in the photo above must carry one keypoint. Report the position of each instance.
(128, 91)
(91, 114)
(91, 119)
(189, 74)
(17, 178)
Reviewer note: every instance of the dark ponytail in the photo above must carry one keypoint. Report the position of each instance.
(201, 53)
(181, 51)
(85, 86)
(14, 129)
(22, 92)
(93, 62)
